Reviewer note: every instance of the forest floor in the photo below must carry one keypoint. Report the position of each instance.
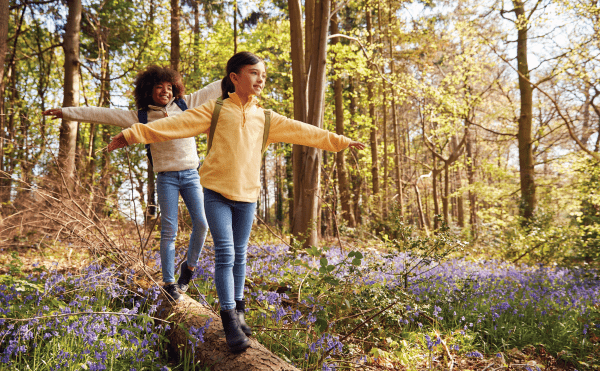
(34, 253)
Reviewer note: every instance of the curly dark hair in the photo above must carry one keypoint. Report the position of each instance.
(146, 79)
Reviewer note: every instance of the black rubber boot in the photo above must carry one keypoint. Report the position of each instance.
(240, 308)
(185, 276)
(171, 292)
(235, 337)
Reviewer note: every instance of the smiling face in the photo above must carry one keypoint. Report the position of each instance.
(250, 80)
(162, 93)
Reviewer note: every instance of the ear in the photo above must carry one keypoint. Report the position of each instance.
(233, 77)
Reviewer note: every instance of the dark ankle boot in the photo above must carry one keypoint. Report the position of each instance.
(185, 276)
(240, 308)
(235, 337)
(171, 292)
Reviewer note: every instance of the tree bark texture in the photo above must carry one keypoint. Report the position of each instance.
(340, 158)
(373, 131)
(526, 165)
(213, 352)
(175, 14)
(471, 179)
(4, 19)
(307, 160)
(68, 129)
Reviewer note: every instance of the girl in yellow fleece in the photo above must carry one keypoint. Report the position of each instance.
(230, 174)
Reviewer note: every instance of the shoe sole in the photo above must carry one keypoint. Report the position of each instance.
(240, 347)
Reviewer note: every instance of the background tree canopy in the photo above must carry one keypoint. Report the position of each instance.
(485, 114)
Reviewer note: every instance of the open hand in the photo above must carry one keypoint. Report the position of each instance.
(357, 145)
(118, 141)
(56, 112)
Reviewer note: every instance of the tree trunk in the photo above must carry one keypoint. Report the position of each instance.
(307, 160)
(373, 131)
(175, 35)
(422, 221)
(396, 131)
(526, 165)
(213, 352)
(436, 204)
(196, 6)
(4, 19)
(460, 205)
(342, 177)
(446, 192)
(357, 183)
(471, 180)
(299, 87)
(235, 35)
(68, 129)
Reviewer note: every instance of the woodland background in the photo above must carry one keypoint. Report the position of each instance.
(483, 113)
(482, 120)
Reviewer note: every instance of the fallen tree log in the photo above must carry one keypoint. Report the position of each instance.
(213, 352)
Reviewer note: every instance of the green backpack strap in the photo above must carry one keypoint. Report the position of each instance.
(213, 123)
(266, 133)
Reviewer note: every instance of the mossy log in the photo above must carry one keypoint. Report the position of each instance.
(213, 352)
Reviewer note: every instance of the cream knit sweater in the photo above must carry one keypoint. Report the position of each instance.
(174, 155)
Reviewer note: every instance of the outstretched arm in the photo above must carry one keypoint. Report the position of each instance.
(291, 131)
(198, 98)
(96, 115)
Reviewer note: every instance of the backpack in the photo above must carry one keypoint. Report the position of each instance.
(143, 118)
(215, 118)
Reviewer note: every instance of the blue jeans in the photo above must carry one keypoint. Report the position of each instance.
(230, 225)
(169, 185)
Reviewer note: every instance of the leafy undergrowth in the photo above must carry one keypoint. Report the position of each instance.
(332, 309)
(86, 321)
(320, 309)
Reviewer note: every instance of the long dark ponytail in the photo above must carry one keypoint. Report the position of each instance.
(235, 64)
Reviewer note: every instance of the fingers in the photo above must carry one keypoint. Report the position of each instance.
(56, 112)
(117, 142)
(357, 145)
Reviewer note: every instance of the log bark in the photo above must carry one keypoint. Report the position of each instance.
(213, 352)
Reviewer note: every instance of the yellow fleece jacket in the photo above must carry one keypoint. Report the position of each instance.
(232, 167)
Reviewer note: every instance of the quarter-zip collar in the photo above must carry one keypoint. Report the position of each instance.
(252, 101)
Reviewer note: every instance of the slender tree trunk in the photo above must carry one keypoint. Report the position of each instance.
(373, 132)
(460, 204)
(235, 35)
(422, 221)
(436, 204)
(196, 5)
(68, 129)
(175, 53)
(104, 101)
(446, 193)
(471, 179)
(524, 136)
(357, 183)
(384, 124)
(342, 176)
(280, 180)
(4, 19)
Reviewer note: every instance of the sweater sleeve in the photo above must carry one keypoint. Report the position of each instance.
(291, 131)
(100, 115)
(187, 124)
(198, 98)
